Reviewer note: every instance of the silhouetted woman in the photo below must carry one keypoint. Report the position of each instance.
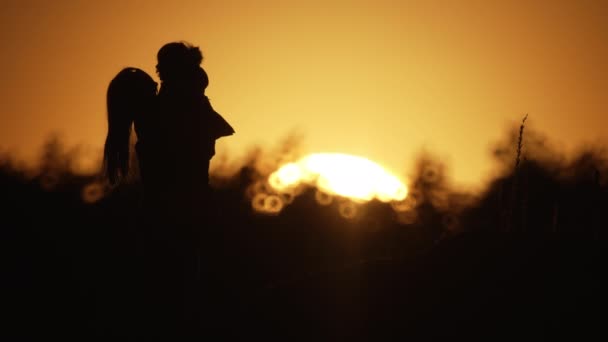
(130, 98)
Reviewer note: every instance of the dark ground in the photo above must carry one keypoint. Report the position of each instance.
(264, 282)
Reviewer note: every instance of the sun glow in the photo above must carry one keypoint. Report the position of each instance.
(354, 177)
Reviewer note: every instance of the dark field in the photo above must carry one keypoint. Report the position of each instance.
(521, 261)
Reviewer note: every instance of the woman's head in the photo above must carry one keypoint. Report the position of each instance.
(130, 94)
(130, 89)
(177, 61)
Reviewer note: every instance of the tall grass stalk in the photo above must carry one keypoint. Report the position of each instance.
(515, 189)
(520, 142)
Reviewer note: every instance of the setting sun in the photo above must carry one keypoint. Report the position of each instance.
(354, 177)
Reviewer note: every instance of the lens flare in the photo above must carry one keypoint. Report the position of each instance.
(92, 193)
(273, 204)
(348, 210)
(353, 177)
(323, 198)
(258, 202)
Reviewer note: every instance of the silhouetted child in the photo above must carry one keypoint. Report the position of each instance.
(186, 128)
(190, 127)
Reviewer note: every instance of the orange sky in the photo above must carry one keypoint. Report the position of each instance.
(380, 79)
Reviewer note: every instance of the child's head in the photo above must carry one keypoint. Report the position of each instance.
(177, 61)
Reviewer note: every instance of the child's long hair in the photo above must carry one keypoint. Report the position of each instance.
(129, 95)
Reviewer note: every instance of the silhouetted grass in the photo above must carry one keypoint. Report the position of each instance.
(447, 269)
